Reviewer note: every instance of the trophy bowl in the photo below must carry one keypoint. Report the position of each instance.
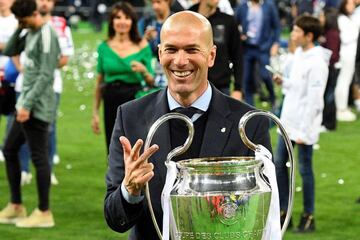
(220, 198)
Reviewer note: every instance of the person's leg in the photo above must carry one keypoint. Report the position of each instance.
(282, 175)
(343, 84)
(52, 135)
(329, 113)
(307, 175)
(264, 59)
(37, 136)
(307, 221)
(24, 155)
(52, 143)
(249, 84)
(14, 140)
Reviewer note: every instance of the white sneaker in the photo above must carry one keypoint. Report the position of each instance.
(323, 129)
(25, 178)
(54, 180)
(56, 159)
(2, 158)
(345, 116)
(357, 104)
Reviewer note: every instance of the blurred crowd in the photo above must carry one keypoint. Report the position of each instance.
(315, 67)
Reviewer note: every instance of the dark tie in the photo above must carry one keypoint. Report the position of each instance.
(179, 132)
(189, 111)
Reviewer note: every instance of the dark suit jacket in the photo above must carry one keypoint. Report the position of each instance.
(270, 25)
(134, 120)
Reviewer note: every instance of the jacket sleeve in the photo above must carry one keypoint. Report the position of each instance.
(275, 24)
(16, 43)
(314, 98)
(119, 214)
(49, 58)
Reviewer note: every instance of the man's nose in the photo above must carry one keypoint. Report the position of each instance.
(181, 58)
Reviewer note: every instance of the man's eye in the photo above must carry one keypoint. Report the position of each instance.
(170, 50)
(192, 50)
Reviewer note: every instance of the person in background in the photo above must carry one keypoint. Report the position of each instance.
(67, 50)
(301, 115)
(357, 71)
(331, 41)
(186, 53)
(150, 27)
(356, 81)
(124, 66)
(8, 25)
(349, 30)
(35, 111)
(226, 37)
(261, 34)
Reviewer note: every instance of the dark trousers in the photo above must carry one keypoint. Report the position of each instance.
(305, 153)
(36, 133)
(115, 94)
(329, 113)
(252, 56)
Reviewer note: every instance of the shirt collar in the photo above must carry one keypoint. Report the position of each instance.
(201, 103)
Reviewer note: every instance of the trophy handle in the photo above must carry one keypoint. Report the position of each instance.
(175, 152)
(289, 148)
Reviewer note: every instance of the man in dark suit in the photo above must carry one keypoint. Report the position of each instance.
(186, 52)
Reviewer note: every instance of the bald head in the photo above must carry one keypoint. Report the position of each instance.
(188, 19)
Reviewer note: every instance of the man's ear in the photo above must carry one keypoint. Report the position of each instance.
(310, 37)
(212, 55)
(159, 52)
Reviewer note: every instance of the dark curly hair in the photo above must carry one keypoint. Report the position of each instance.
(128, 10)
(23, 8)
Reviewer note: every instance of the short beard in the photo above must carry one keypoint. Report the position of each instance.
(42, 13)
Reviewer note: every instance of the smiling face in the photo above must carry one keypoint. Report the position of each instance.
(186, 53)
(122, 23)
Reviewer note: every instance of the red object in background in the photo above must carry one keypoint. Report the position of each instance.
(2, 79)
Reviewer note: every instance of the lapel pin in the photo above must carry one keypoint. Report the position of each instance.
(223, 130)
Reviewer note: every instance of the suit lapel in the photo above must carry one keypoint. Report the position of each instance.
(217, 128)
(162, 134)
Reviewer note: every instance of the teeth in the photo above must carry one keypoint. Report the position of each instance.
(182, 74)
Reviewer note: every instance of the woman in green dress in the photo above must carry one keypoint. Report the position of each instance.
(124, 64)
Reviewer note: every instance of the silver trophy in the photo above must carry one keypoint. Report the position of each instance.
(220, 197)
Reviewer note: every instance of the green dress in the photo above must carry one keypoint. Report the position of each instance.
(116, 68)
